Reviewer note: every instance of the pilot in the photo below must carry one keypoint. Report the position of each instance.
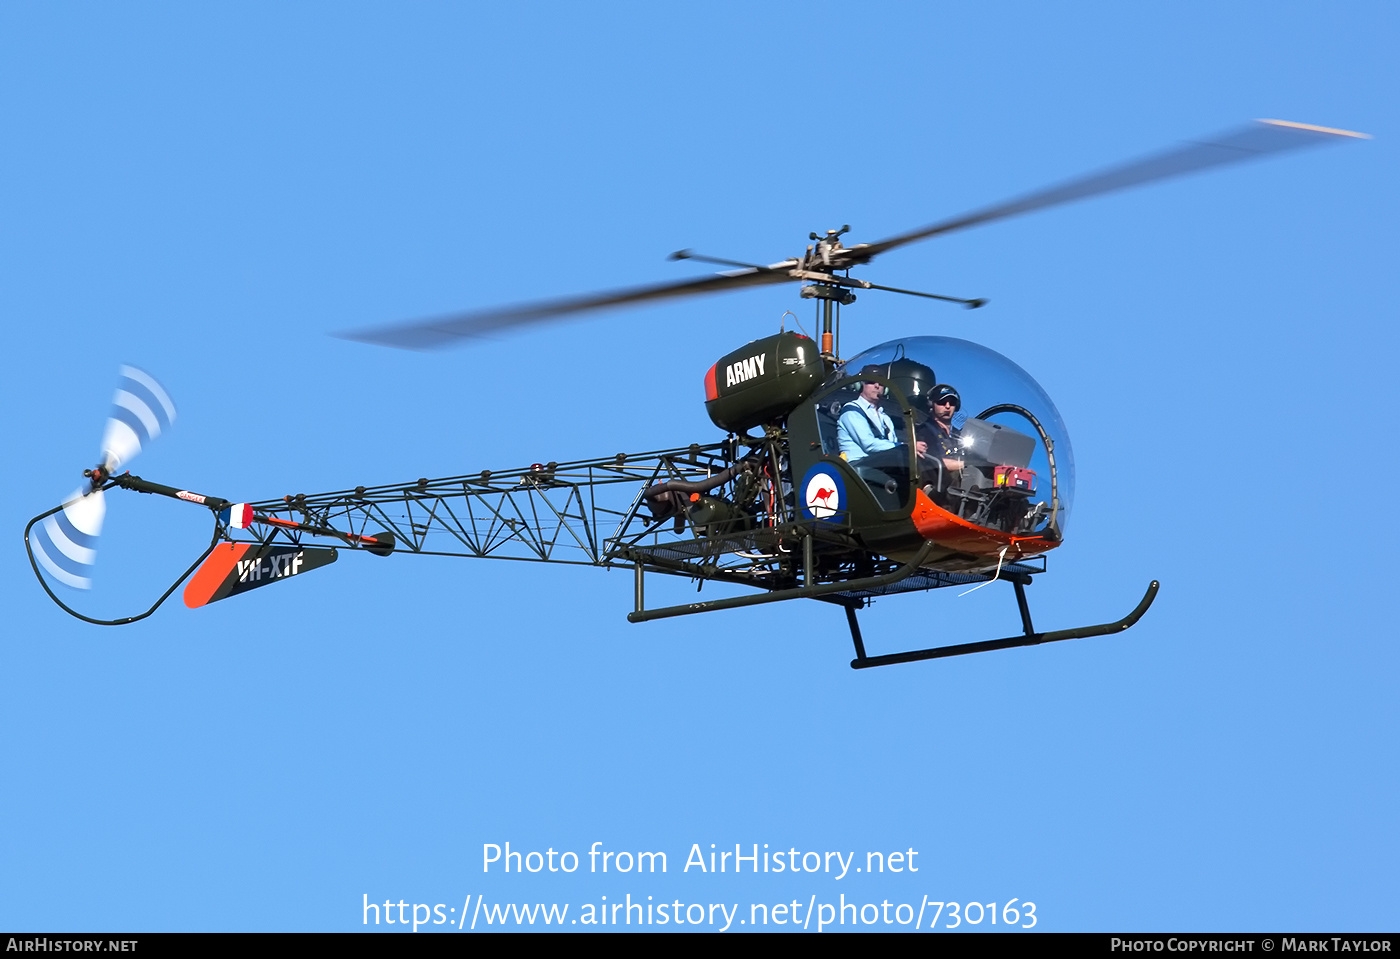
(864, 428)
(939, 435)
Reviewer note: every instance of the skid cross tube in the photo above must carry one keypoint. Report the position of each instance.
(1028, 639)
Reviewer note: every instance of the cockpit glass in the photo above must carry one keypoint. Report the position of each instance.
(863, 422)
(995, 450)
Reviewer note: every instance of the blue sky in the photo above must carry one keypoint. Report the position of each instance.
(207, 194)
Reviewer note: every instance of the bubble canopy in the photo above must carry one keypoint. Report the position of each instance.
(992, 389)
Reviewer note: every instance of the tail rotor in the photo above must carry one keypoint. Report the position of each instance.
(65, 541)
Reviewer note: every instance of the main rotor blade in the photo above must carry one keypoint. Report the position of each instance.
(1258, 139)
(446, 330)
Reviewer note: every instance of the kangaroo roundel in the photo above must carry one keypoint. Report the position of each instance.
(823, 493)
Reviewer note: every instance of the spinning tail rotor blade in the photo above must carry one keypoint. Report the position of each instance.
(1260, 138)
(141, 411)
(65, 543)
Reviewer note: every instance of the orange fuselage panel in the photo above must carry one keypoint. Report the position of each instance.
(942, 527)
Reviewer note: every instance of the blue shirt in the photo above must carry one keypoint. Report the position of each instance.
(864, 429)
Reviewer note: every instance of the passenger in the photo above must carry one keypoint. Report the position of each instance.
(941, 438)
(864, 428)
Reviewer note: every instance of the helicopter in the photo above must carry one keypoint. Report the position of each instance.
(840, 480)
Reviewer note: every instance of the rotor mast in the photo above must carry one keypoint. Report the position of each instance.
(827, 289)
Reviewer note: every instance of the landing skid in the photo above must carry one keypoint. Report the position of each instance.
(1029, 637)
